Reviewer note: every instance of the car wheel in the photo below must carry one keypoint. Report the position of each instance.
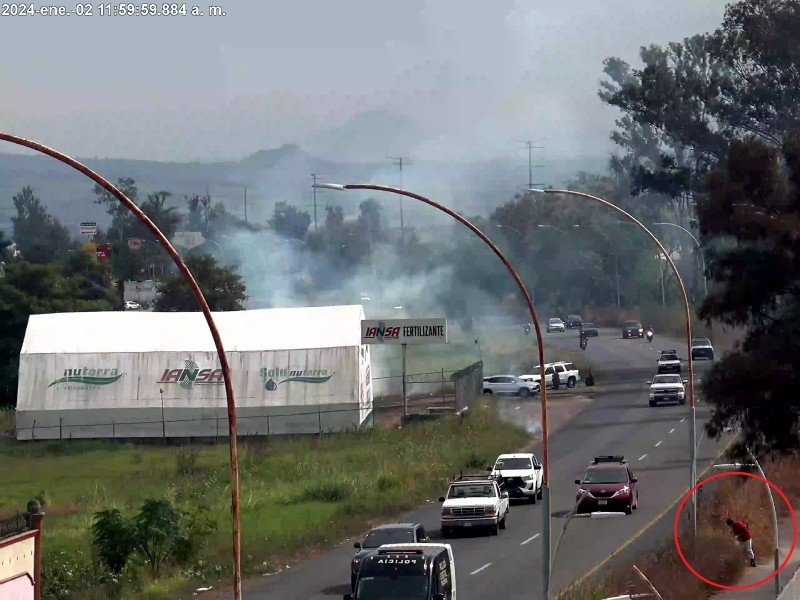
(571, 382)
(682, 402)
(636, 506)
(524, 392)
(446, 532)
(539, 493)
(503, 522)
(652, 403)
(488, 392)
(629, 508)
(352, 582)
(494, 529)
(711, 356)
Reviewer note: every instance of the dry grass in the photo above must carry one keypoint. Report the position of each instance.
(715, 555)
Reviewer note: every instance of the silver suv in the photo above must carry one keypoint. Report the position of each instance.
(510, 385)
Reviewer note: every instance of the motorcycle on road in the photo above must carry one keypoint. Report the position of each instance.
(584, 343)
(650, 336)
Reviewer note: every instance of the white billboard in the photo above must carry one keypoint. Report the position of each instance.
(188, 239)
(89, 228)
(404, 331)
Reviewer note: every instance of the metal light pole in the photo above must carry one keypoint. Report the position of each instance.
(688, 318)
(518, 280)
(699, 247)
(777, 551)
(198, 293)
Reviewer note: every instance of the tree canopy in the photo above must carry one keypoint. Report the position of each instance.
(223, 288)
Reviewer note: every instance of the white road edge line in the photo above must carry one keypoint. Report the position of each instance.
(672, 430)
(530, 539)
(658, 444)
(643, 456)
(476, 571)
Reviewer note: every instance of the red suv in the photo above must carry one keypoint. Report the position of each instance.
(608, 486)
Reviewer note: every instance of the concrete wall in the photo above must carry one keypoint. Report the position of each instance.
(18, 566)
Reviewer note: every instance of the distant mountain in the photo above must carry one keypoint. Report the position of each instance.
(270, 176)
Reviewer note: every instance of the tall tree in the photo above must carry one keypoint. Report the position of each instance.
(39, 236)
(223, 288)
(123, 223)
(289, 221)
(753, 215)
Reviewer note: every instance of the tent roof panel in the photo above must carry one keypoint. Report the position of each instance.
(241, 331)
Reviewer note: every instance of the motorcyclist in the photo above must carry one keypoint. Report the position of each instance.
(584, 340)
(650, 333)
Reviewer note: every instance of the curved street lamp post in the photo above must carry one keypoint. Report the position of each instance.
(223, 359)
(776, 555)
(546, 546)
(688, 319)
(699, 247)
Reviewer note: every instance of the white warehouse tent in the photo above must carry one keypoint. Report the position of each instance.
(151, 374)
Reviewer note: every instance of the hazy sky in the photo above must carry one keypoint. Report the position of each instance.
(450, 79)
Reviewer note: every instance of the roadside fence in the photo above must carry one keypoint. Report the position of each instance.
(468, 384)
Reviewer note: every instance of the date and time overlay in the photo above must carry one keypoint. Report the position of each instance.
(109, 9)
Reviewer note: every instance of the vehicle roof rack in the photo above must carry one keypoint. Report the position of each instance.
(612, 458)
(669, 352)
(401, 551)
(480, 477)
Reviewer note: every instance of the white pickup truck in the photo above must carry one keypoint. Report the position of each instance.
(568, 374)
(668, 362)
(474, 501)
(667, 388)
(520, 475)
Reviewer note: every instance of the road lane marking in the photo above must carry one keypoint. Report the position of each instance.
(658, 444)
(672, 430)
(683, 419)
(476, 571)
(643, 456)
(530, 539)
(580, 580)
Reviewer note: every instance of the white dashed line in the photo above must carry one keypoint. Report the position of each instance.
(476, 571)
(658, 444)
(643, 456)
(683, 419)
(530, 539)
(672, 430)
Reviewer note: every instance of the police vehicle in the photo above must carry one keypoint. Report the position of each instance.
(408, 571)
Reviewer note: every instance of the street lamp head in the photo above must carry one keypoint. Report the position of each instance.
(537, 191)
(330, 186)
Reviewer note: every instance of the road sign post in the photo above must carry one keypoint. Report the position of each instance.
(404, 332)
(89, 228)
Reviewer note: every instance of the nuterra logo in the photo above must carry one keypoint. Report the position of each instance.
(191, 375)
(298, 375)
(88, 377)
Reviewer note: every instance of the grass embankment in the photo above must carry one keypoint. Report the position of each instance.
(7, 421)
(716, 556)
(297, 495)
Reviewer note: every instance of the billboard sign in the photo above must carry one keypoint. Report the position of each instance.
(191, 375)
(404, 331)
(89, 228)
(103, 252)
(188, 239)
(134, 243)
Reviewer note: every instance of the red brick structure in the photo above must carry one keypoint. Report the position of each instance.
(21, 555)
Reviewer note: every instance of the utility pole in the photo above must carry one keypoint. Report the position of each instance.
(314, 191)
(400, 161)
(530, 146)
(245, 205)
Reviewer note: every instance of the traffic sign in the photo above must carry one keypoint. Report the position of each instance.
(188, 239)
(89, 228)
(135, 243)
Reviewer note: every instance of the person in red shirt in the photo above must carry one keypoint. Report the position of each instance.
(743, 536)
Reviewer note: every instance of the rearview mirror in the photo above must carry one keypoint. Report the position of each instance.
(357, 545)
(489, 468)
(504, 495)
(685, 382)
(441, 499)
(634, 479)
(577, 482)
(649, 383)
(537, 468)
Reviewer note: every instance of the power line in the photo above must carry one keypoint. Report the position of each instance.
(400, 161)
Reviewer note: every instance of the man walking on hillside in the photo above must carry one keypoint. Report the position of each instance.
(742, 534)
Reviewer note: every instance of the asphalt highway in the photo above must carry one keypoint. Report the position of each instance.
(619, 421)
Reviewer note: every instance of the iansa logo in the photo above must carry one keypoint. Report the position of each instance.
(191, 375)
(298, 375)
(381, 332)
(87, 376)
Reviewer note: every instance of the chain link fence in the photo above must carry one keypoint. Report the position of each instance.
(468, 383)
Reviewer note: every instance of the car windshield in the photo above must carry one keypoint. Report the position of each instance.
(669, 355)
(397, 586)
(633, 324)
(378, 537)
(510, 464)
(473, 490)
(553, 321)
(701, 342)
(666, 379)
(605, 476)
(588, 325)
